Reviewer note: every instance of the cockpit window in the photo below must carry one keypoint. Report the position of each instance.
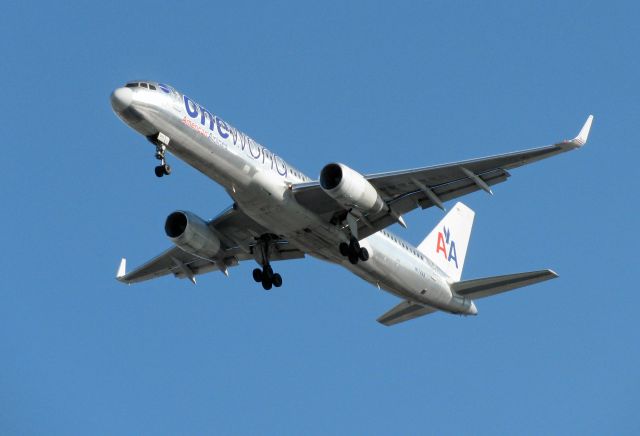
(140, 84)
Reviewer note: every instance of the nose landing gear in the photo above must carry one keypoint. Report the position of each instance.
(163, 169)
(161, 142)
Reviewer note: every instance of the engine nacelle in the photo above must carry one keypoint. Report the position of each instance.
(350, 188)
(192, 234)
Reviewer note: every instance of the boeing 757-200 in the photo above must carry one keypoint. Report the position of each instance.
(278, 213)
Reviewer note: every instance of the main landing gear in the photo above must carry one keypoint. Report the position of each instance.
(266, 276)
(353, 251)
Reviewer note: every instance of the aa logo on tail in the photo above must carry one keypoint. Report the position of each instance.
(444, 241)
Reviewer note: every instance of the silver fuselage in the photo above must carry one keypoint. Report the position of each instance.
(259, 182)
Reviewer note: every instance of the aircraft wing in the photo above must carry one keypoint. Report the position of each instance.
(431, 186)
(237, 233)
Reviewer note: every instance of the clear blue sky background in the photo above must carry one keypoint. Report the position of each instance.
(380, 86)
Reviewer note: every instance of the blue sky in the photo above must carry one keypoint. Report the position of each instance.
(378, 86)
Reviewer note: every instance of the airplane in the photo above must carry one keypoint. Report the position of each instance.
(278, 213)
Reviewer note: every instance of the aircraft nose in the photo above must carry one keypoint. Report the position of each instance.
(121, 99)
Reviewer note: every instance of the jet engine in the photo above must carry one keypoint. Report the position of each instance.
(350, 188)
(192, 234)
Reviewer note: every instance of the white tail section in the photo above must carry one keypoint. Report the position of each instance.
(447, 243)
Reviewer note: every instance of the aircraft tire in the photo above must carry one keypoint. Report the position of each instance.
(354, 245)
(159, 170)
(344, 248)
(353, 258)
(266, 283)
(268, 272)
(166, 169)
(277, 280)
(257, 275)
(364, 254)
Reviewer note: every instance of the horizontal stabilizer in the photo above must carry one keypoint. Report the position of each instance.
(404, 312)
(486, 287)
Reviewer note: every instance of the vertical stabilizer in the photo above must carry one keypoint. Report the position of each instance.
(447, 243)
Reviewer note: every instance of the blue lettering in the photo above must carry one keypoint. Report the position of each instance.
(224, 130)
(452, 253)
(222, 125)
(284, 166)
(188, 103)
(234, 134)
(267, 154)
(206, 114)
(243, 141)
(251, 150)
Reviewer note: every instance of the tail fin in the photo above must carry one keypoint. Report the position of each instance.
(447, 243)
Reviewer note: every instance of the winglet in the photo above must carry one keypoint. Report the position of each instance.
(122, 269)
(582, 137)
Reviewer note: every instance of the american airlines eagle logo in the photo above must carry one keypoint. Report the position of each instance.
(447, 246)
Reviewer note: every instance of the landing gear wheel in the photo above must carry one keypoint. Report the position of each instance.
(163, 169)
(268, 277)
(354, 245)
(257, 275)
(277, 280)
(268, 271)
(266, 282)
(353, 251)
(353, 258)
